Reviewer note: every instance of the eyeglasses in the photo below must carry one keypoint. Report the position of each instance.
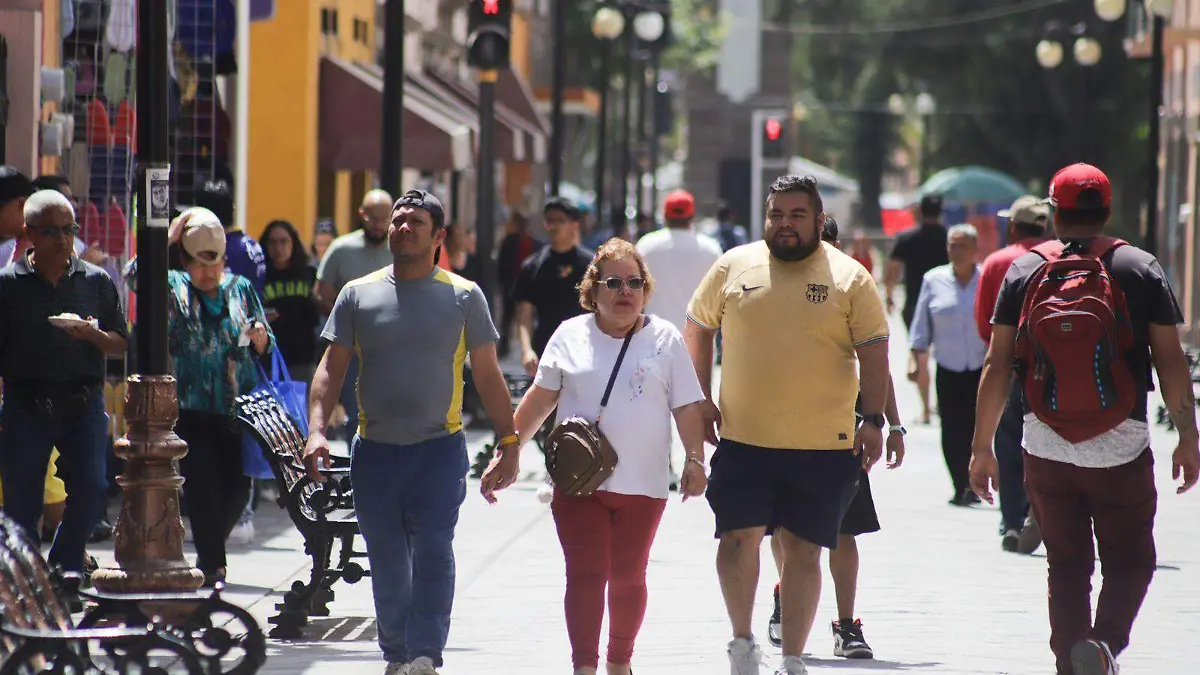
(52, 231)
(615, 283)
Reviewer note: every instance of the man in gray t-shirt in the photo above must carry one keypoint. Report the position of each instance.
(349, 257)
(413, 326)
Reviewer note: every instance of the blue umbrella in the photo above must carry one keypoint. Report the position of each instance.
(973, 184)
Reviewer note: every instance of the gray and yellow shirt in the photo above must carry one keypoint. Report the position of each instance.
(412, 338)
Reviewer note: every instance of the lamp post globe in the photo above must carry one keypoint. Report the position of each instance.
(1087, 51)
(926, 104)
(1110, 10)
(608, 23)
(896, 105)
(1049, 53)
(649, 26)
(1161, 8)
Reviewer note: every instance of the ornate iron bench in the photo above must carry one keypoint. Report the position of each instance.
(322, 512)
(119, 633)
(518, 384)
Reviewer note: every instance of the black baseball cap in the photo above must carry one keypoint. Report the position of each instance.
(14, 184)
(423, 200)
(931, 205)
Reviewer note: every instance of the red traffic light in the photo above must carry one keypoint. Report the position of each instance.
(491, 7)
(774, 129)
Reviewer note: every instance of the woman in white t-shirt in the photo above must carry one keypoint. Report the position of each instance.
(606, 537)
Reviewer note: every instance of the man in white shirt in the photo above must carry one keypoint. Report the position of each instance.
(678, 257)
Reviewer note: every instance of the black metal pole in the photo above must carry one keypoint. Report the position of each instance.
(1156, 86)
(626, 134)
(643, 107)
(154, 161)
(455, 195)
(602, 130)
(391, 158)
(655, 141)
(558, 87)
(486, 189)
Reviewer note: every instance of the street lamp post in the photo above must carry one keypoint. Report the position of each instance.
(924, 105)
(607, 26)
(1087, 52)
(652, 28)
(149, 532)
(558, 86)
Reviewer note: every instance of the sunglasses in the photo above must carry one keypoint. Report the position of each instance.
(615, 283)
(52, 231)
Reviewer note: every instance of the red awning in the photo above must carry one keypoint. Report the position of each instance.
(531, 136)
(436, 136)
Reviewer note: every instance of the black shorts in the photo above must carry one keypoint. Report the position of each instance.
(861, 517)
(806, 492)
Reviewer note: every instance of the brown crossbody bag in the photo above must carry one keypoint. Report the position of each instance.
(578, 456)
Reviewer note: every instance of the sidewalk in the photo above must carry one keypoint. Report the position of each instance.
(937, 595)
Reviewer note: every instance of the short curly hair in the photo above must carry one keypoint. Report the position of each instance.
(613, 249)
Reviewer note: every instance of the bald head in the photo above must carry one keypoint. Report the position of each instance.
(47, 205)
(376, 214)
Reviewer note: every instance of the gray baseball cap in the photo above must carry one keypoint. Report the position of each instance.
(1027, 209)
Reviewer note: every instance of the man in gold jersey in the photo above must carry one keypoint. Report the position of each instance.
(796, 315)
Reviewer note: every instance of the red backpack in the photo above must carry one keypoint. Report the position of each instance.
(1072, 340)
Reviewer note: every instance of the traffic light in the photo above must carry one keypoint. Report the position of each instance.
(488, 26)
(774, 138)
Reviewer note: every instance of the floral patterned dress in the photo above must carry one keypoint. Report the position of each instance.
(213, 363)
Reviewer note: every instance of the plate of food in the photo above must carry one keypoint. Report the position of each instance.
(69, 320)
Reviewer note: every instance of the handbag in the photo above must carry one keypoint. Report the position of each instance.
(254, 461)
(292, 395)
(578, 456)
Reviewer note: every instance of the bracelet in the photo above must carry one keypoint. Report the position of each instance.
(511, 439)
(696, 460)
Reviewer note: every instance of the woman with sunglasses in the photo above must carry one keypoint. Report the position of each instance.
(606, 537)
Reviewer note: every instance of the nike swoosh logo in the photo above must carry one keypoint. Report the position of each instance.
(746, 289)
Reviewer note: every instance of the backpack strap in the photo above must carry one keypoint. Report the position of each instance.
(1102, 246)
(1049, 250)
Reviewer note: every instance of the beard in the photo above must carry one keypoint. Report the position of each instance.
(793, 252)
(374, 239)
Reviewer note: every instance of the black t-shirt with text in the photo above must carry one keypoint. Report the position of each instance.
(550, 282)
(289, 292)
(1148, 297)
(920, 249)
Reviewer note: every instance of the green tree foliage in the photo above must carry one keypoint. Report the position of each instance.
(996, 106)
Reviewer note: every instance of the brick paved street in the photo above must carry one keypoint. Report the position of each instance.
(937, 595)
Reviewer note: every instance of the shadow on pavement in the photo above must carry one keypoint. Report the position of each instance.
(869, 664)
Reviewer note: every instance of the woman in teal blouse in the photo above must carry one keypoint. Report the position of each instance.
(216, 330)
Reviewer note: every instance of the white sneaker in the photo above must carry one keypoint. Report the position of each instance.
(395, 669)
(242, 535)
(422, 665)
(792, 665)
(745, 656)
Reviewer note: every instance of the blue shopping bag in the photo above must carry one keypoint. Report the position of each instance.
(292, 396)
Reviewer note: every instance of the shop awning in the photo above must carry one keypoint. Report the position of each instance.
(437, 137)
(530, 128)
(511, 144)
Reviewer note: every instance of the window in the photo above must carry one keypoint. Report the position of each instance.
(329, 21)
(362, 32)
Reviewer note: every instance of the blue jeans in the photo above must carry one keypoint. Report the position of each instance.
(407, 499)
(25, 447)
(349, 398)
(1014, 505)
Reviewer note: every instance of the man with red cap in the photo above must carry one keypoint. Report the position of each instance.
(678, 257)
(1096, 313)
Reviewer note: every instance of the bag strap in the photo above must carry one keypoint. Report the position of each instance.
(279, 366)
(612, 379)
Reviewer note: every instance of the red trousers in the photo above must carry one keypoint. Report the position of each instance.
(1117, 505)
(606, 541)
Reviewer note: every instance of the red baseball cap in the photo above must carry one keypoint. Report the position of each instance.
(1069, 183)
(679, 204)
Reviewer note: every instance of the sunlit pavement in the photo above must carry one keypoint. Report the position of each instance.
(936, 594)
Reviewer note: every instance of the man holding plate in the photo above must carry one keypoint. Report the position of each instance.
(61, 317)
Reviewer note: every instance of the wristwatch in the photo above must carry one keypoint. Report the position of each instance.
(898, 429)
(877, 419)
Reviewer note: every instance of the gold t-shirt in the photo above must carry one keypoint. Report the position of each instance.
(789, 333)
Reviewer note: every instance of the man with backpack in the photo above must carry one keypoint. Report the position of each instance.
(1083, 318)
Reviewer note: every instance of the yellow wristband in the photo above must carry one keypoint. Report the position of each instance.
(511, 439)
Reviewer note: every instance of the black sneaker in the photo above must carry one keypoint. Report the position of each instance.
(775, 625)
(848, 641)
